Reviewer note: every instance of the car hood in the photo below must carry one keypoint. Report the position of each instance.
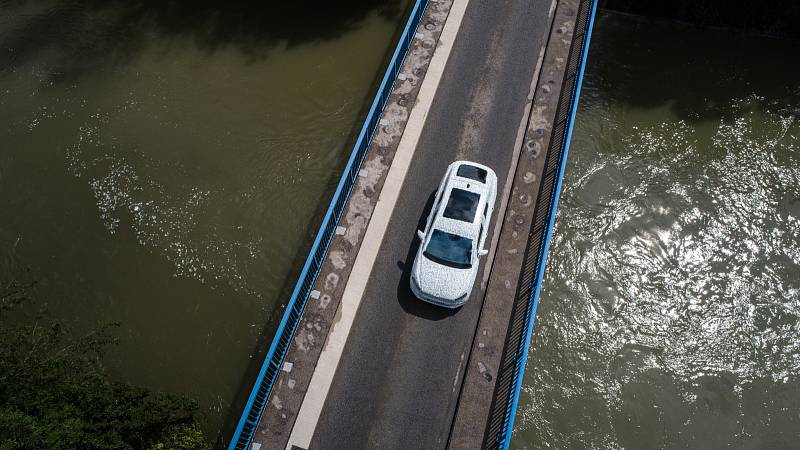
(446, 283)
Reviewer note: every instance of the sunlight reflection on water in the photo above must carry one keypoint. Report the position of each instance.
(671, 307)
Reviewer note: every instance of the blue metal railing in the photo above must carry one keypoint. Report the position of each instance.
(521, 355)
(254, 408)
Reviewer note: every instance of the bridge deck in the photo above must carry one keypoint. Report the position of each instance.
(398, 381)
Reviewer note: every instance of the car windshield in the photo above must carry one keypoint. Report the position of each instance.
(462, 205)
(449, 249)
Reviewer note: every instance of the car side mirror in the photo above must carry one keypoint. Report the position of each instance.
(421, 235)
(483, 252)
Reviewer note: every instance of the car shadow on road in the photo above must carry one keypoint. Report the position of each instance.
(408, 301)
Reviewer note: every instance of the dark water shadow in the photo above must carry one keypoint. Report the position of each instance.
(777, 17)
(690, 70)
(84, 32)
(408, 301)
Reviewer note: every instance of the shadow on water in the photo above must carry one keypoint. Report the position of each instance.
(410, 303)
(85, 31)
(698, 85)
(777, 17)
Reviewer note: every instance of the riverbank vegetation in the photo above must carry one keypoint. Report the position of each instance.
(55, 392)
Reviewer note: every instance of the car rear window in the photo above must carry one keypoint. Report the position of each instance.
(462, 205)
(472, 172)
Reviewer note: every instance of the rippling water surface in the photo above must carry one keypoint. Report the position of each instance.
(162, 163)
(670, 314)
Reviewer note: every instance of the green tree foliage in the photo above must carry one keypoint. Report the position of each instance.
(54, 393)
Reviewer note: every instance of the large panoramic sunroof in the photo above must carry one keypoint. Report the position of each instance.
(462, 205)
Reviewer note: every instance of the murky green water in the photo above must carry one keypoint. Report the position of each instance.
(162, 163)
(670, 314)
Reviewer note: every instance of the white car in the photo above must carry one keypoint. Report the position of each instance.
(455, 235)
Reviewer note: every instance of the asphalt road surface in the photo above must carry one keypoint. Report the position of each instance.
(397, 383)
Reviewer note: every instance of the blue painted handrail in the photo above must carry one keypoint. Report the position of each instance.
(522, 354)
(256, 402)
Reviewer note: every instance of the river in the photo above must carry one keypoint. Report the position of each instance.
(163, 165)
(670, 311)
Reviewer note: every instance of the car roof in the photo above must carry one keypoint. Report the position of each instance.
(459, 184)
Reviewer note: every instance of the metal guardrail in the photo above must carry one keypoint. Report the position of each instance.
(254, 408)
(500, 425)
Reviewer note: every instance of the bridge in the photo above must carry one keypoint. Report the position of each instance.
(357, 361)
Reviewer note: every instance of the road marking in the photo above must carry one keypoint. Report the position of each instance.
(458, 371)
(523, 126)
(321, 381)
